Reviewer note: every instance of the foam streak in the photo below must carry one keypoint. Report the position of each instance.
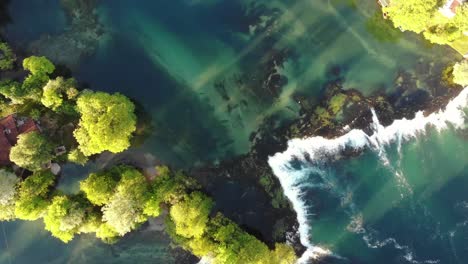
(313, 150)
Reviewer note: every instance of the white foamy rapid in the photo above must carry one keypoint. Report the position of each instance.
(313, 150)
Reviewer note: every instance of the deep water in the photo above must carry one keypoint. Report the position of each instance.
(208, 74)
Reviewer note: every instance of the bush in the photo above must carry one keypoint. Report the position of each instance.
(32, 151)
(7, 57)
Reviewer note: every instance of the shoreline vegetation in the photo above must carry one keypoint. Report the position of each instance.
(120, 199)
(440, 22)
(116, 201)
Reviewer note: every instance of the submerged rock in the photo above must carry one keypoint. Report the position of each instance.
(81, 38)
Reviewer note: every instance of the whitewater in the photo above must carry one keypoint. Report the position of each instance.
(315, 150)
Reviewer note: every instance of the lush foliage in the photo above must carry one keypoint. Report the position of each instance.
(56, 91)
(118, 200)
(76, 156)
(191, 215)
(8, 191)
(32, 151)
(7, 57)
(424, 17)
(13, 91)
(107, 122)
(124, 211)
(33, 195)
(38, 65)
(225, 242)
(167, 188)
(39, 68)
(460, 73)
(413, 15)
(65, 216)
(31, 88)
(99, 187)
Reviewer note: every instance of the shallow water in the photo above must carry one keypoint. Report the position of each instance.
(168, 56)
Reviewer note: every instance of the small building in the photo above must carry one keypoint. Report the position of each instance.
(60, 150)
(10, 128)
(450, 7)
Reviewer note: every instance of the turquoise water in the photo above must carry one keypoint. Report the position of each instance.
(169, 56)
(386, 220)
(208, 73)
(403, 199)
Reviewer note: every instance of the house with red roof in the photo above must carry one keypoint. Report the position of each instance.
(10, 128)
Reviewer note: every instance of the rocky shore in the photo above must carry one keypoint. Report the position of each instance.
(258, 191)
(79, 39)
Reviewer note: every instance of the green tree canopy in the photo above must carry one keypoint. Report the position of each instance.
(412, 15)
(76, 156)
(65, 216)
(55, 92)
(107, 122)
(32, 151)
(100, 186)
(7, 57)
(225, 242)
(33, 195)
(460, 73)
(168, 188)
(38, 65)
(191, 215)
(39, 68)
(14, 91)
(8, 190)
(125, 210)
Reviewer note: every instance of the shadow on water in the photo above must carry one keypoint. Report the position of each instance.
(184, 127)
(5, 17)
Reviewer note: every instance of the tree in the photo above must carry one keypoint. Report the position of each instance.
(65, 216)
(32, 151)
(107, 122)
(168, 188)
(8, 181)
(13, 91)
(39, 68)
(38, 65)
(191, 215)
(123, 213)
(460, 73)
(7, 57)
(33, 195)
(107, 233)
(413, 15)
(55, 91)
(125, 210)
(99, 187)
(8, 191)
(76, 156)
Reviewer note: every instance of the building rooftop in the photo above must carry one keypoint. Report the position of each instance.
(10, 129)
